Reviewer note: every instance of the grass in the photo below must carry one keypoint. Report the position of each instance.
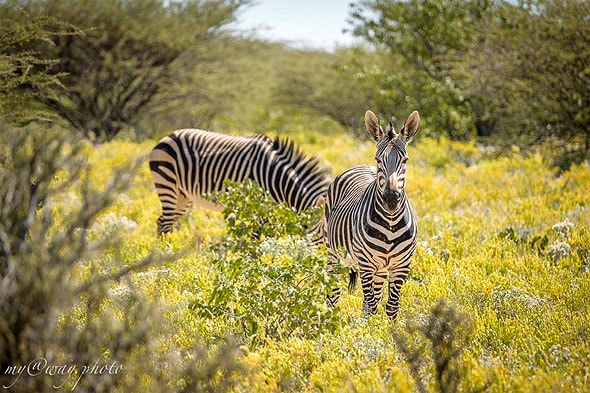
(504, 239)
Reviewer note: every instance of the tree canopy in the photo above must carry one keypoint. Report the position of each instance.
(24, 75)
(508, 72)
(128, 58)
(489, 68)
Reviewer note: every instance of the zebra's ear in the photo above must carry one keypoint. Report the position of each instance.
(372, 126)
(410, 128)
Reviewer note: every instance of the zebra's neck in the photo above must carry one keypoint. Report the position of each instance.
(379, 213)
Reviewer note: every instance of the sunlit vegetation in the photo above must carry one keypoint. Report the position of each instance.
(503, 241)
(497, 296)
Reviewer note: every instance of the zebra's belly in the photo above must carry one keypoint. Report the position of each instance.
(345, 256)
(198, 199)
(209, 184)
(206, 204)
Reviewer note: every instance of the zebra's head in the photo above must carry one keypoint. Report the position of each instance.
(391, 157)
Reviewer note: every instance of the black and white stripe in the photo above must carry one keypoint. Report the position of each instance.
(368, 217)
(189, 163)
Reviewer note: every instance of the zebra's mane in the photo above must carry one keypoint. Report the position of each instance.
(296, 179)
(306, 167)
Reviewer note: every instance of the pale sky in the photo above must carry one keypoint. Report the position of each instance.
(316, 24)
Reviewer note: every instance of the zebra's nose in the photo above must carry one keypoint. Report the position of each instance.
(391, 195)
(391, 199)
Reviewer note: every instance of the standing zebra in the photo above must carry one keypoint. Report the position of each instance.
(368, 216)
(189, 163)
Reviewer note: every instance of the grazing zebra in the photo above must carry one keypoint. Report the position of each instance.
(368, 217)
(189, 163)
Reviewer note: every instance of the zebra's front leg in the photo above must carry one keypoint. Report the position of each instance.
(370, 297)
(379, 279)
(395, 284)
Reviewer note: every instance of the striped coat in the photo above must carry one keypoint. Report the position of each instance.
(189, 163)
(368, 217)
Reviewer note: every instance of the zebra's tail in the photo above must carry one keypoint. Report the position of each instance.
(353, 277)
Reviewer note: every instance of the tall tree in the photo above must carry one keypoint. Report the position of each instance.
(428, 38)
(548, 93)
(129, 56)
(24, 75)
(519, 71)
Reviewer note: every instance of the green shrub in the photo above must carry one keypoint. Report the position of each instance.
(252, 216)
(440, 338)
(271, 283)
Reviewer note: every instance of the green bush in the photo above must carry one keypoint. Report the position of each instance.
(270, 283)
(252, 215)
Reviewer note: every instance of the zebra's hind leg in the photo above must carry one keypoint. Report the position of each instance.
(173, 207)
(336, 291)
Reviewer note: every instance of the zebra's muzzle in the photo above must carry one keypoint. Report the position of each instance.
(391, 195)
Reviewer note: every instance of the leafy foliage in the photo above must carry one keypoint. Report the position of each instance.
(129, 58)
(521, 235)
(485, 68)
(271, 284)
(547, 46)
(425, 39)
(25, 75)
(252, 215)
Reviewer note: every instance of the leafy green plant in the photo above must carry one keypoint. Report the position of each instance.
(252, 215)
(554, 243)
(271, 283)
(521, 235)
